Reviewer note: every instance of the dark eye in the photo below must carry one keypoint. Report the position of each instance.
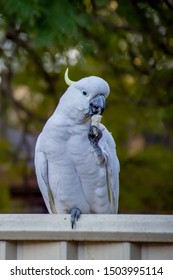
(84, 93)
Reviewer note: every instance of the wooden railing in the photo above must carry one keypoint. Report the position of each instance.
(44, 236)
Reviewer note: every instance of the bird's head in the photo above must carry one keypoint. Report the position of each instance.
(86, 97)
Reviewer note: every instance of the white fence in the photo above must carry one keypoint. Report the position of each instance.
(44, 236)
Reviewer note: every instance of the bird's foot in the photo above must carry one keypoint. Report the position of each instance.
(75, 214)
(94, 135)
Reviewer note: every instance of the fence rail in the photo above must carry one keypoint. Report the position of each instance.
(43, 236)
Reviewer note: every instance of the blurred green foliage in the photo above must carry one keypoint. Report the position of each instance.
(129, 44)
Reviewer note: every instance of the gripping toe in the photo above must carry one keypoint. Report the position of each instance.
(75, 214)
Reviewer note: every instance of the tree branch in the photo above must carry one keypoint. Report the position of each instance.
(6, 92)
(169, 4)
(112, 27)
(13, 35)
(150, 29)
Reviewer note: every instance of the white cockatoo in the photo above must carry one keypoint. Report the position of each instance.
(75, 156)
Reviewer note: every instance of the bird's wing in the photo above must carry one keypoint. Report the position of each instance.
(41, 168)
(113, 168)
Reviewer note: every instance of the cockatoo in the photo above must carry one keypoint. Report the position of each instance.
(75, 156)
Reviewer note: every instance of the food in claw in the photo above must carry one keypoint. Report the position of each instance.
(95, 120)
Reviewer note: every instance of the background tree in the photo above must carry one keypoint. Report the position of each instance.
(128, 43)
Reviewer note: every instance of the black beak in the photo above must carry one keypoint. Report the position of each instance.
(97, 105)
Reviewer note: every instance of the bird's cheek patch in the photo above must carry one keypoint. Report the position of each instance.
(83, 109)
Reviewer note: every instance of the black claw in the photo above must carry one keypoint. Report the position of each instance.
(94, 135)
(75, 215)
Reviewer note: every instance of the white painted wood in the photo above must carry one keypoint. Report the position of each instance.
(107, 251)
(134, 228)
(36, 250)
(2, 250)
(95, 237)
(69, 250)
(8, 250)
(39, 250)
(157, 251)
